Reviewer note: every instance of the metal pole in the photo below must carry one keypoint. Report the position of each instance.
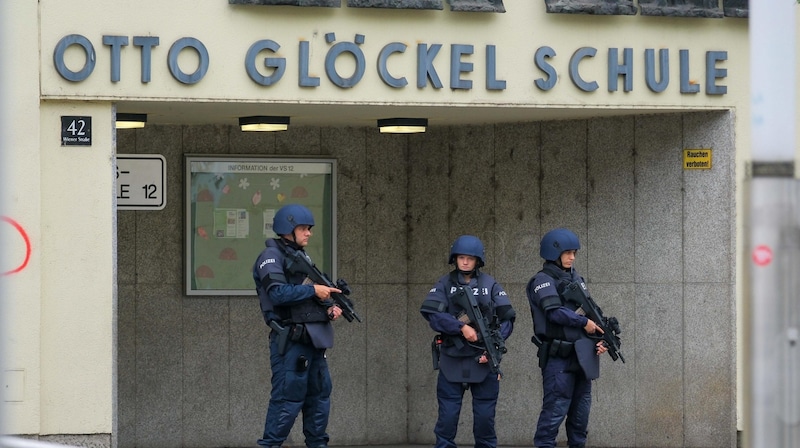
(772, 352)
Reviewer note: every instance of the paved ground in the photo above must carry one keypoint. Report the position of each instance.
(13, 442)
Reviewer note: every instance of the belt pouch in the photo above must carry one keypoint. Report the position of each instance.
(297, 333)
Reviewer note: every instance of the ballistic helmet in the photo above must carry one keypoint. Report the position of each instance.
(557, 241)
(290, 216)
(467, 245)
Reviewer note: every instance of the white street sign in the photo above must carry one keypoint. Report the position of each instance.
(141, 182)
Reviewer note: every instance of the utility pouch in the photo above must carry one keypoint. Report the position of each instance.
(560, 348)
(297, 332)
(452, 341)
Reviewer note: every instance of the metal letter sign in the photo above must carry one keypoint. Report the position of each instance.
(141, 182)
(76, 131)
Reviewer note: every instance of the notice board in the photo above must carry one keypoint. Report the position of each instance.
(230, 202)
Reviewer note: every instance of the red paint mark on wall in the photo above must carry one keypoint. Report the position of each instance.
(762, 255)
(27, 241)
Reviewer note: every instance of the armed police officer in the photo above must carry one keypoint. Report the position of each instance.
(568, 357)
(465, 358)
(299, 314)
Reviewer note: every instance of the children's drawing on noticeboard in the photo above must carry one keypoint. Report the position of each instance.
(230, 206)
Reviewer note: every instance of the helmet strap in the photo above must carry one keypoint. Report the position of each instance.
(471, 274)
(291, 242)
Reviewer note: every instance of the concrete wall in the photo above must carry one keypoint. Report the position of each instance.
(658, 252)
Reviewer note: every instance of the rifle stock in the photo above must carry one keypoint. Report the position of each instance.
(301, 262)
(576, 293)
(493, 341)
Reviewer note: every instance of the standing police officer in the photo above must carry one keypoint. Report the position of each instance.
(300, 314)
(462, 360)
(567, 357)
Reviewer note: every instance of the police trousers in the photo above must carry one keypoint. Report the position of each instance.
(565, 394)
(484, 402)
(300, 382)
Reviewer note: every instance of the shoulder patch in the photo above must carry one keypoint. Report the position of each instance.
(538, 287)
(266, 262)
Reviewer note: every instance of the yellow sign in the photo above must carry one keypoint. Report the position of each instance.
(697, 159)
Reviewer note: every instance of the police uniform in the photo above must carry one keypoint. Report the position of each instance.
(566, 354)
(459, 368)
(300, 377)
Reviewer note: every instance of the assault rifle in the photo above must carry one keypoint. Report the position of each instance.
(577, 294)
(488, 332)
(300, 262)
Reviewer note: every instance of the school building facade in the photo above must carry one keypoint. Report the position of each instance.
(128, 317)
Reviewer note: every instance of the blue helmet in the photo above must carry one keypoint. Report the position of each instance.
(290, 216)
(557, 241)
(467, 245)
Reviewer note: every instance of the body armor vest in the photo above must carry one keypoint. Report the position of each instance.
(306, 311)
(456, 345)
(553, 330)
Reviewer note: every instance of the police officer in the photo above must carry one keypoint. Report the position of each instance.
(299, 314)
(567, 356)
(461, 358)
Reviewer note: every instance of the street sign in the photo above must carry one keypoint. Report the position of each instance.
(141, 182)
(76, 131)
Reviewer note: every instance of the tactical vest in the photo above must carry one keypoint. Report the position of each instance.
(456, 345)
(306, 311)
(554, 331)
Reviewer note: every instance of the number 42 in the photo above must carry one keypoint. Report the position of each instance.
(77, 127)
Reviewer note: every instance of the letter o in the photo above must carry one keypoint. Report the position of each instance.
(202, 67)
(330, 64)
(58, 57)
(279, 64)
